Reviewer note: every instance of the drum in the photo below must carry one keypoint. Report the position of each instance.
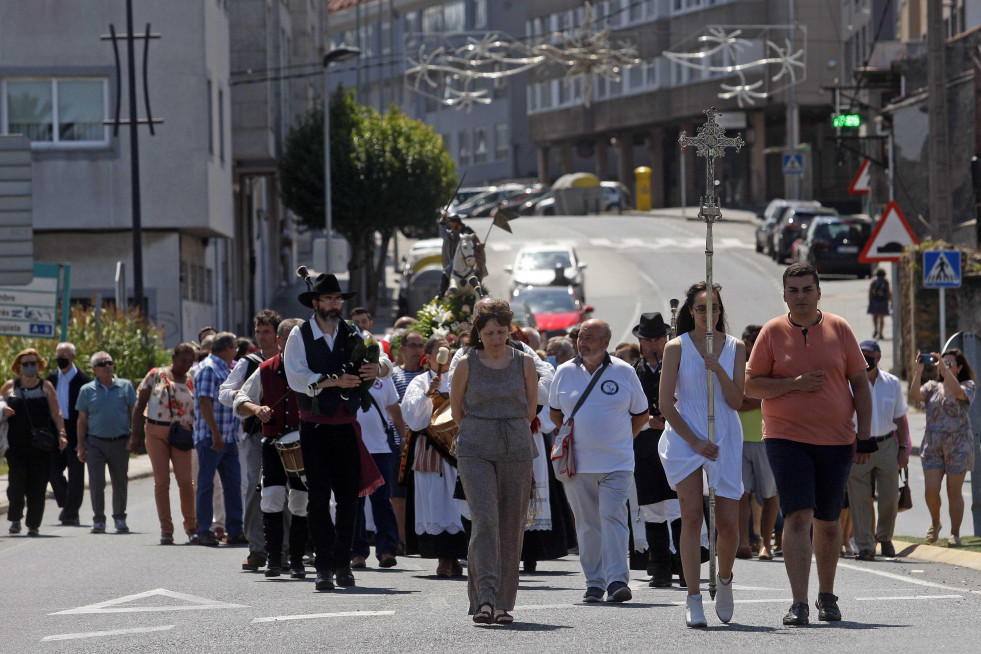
(288, 447)
(443, 429)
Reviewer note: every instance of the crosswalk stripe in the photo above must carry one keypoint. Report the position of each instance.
(634, 243)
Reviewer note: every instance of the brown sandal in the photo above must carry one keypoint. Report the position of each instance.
(503, 617)
(483, 616)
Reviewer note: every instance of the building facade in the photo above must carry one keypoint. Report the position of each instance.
(58, 85)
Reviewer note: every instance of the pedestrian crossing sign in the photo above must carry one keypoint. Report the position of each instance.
(793, 163)
(942, 269)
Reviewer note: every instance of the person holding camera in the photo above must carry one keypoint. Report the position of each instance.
(948, 443)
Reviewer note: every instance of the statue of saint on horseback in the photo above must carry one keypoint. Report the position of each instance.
(463, 258)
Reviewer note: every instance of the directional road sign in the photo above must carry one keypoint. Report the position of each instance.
(32, 310)
(942, 269)
(891, 234)
(793, 163)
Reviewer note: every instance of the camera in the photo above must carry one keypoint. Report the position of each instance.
(927, 359)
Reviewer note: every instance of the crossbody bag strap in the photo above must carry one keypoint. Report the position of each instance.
(381, 416)
(589, 388)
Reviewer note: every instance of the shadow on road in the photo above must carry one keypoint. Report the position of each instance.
(526, 626)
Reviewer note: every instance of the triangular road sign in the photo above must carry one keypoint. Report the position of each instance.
(863, 179)
(891, 234)
(193, 603)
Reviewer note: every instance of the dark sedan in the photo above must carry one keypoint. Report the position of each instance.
(832, 245)
(791, 228)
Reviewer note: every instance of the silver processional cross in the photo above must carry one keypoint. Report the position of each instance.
(710, 143)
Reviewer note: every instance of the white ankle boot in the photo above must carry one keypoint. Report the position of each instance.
(723, 599)
(694, 615)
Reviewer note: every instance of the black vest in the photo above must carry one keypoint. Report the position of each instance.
(645, 444)
(321, 359)
(251, 425)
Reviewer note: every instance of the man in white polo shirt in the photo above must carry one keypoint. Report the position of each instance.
(889, 432)
(605, 426)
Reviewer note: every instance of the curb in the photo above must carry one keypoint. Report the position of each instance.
(933, 554)
(142, 474)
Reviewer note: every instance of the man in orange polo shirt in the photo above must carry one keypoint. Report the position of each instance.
(809, 371)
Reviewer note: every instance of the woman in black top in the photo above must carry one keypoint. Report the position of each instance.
(30, 401)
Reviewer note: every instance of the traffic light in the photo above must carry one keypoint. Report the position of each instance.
(846, 120)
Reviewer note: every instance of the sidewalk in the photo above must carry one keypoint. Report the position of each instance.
(139, 468)
(935, 554)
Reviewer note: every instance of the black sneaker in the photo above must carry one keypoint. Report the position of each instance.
(827, 605)
(593, 595)
(325, 580)
(618, 591)
(273, 571)
(298, 572)
(797, 615)
(345, 577)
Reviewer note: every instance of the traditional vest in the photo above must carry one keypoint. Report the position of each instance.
(286, 414)
(321, 359)
(251, 424)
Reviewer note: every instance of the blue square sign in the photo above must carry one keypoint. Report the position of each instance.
(942, 269)
(793, 163)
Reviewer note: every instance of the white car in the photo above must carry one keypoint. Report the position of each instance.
(535, 265)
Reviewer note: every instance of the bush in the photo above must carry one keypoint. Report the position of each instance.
(135, 347)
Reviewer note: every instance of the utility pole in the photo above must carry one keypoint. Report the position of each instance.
(941, 207)
(792, 182)
(134, 123)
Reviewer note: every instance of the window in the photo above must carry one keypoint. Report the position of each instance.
(547, 94)
(67, 112)
(635, 77)
(432, 20)
(454, 16)
(480, 145)
(221, 124)
(500, 83)
(464, 140)
(386, 37)
(479, 14)
(502, 138)
(211, 121)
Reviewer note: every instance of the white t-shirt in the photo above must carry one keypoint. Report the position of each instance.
(372, 428)
(604, 436)
(888, 404)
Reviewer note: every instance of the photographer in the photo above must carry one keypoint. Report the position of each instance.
(948, 444)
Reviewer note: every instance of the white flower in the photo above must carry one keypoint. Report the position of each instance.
(440, 332)
(445, 317)
(455, 327)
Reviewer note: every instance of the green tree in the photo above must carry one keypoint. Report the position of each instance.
(387, 171)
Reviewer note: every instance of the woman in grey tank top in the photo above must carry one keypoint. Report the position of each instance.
(494, 397)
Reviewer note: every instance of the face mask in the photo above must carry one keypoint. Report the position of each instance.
(29, 370)
(871, 362)
(63, 362)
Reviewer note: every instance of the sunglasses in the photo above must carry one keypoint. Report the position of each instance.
(103, 364)
(701, 309)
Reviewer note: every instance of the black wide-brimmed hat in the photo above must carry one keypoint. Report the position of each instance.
(651, 326)
(319, 284)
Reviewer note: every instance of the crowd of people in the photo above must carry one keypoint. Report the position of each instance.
(300, 443)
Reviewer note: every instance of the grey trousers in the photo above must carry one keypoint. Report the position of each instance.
(99, 454)
(599, 503)
(881, 467)
(497, 493)
(250, 454)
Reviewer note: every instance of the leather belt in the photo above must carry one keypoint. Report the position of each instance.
(114, 438)
(879, 439)
(159, 423)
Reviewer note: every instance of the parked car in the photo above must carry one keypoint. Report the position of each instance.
(485, 207)
(769, 218)
(832, 245)
(556, 308)
(421, 273)
(791, 227)
(546, 207)
(465, 193)
(616, 196)
(531, 194)
(535, 265)
(493, 195)
(527, 208)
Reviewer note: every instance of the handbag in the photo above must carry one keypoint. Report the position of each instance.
(563, 454)
(179, 437)
(905, 494)
(41, 437)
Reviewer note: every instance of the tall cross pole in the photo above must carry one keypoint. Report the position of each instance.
(710, 143)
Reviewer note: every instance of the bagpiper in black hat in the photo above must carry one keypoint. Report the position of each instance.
(651, 326)
(319, 284)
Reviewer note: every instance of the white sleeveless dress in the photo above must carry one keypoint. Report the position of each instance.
(725, 474)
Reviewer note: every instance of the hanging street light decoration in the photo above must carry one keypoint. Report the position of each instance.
(765, 59)
(494, 55)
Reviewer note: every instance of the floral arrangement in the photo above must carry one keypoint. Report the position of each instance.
(445, 317)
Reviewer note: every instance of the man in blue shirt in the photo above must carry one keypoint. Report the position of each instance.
(104, 407)
(215, 427)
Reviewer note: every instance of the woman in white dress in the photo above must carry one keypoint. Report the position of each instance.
(684, 447)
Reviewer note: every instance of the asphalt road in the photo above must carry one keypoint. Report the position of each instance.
(71, 591)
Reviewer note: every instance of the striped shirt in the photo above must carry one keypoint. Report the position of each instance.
(402, 377)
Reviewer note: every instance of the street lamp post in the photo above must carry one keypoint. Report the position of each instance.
(337, 54)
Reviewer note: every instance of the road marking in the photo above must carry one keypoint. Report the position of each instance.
(633, 243)
(601, 242)
(195, 603)
(114, 632)
(314, 616)
(500, 247)
(907, 597)
(538, 607)
(890, 575)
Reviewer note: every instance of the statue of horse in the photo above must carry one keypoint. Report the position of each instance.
(465, 279)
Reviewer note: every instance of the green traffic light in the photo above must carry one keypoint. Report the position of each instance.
(846, 120)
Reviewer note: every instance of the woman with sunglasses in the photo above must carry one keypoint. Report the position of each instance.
(684, 446)
(32, 403)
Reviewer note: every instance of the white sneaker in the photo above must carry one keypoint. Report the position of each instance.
(723, 599)
(694, 615)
